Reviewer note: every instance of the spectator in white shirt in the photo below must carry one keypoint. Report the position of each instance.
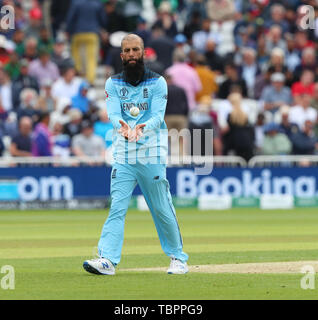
(301, 113)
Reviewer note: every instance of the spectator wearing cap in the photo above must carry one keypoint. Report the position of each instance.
(87, 143)
(84, 21)
(304, 86)
(305, 141)
(276, 94)
(34, 23)
(200, 38)
(23, 81)
(42, 139)
(176, 112)
(303, 111)
(207, 78)
(185, 77)
(181, 43)
(163, 46)
(43, 68)
(232, 80)
(165, 20)
(80, 100)
(21, 144)
(67, 85)
(151, 61)
(275, 142)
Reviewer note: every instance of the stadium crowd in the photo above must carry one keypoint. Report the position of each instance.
(256, 86)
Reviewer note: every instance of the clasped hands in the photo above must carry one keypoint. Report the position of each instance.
(131, 134)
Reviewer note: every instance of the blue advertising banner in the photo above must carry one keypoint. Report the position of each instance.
(67, 183)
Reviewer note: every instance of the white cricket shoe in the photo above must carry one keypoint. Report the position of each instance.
(177, 267)
(99, 266)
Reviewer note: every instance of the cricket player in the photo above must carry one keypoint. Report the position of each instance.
(139, 146)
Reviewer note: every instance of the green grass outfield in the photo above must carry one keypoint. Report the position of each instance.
(47, 249)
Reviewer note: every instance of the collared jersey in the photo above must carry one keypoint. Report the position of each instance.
(150, 96)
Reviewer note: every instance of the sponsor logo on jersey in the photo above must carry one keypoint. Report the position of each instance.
(123, 93)
(142, 106)
(145, 93)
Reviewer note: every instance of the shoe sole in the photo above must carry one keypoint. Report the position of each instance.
(178, 273)
(87, 267)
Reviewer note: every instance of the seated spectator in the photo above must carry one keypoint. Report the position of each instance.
(249, 70)
(30, 49)
(207, 78)
(42, 140)
(28, 105)
(6, 104)
(18, 39)
(23, 81)
(305, 141)
(45, 101)
(274, 39)
(304, 86)
(275, 142)
(73, 127)
(67, 85)
(151, 61)
(292, 54)
(45, 42)
(214, 60)
(34, 23)
(232, 79)
(275, 95)
(21, 143)
(285, 126)
(240, 134)
(80, 100)
(13, 66)
(278, 17)
(201, 119)
(61, 142)
(61, 113)
(43, 68)
(60, 56)
(314, 101)
(104, 128)
(308, 62)
(277, 62)
(303, 112)
(88, 144)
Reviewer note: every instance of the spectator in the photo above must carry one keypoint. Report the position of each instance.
(299, 114)
(58, 14)
(292, 54)
(61, 142)
(232, 80)
(23, 81)
(28, 106)
(30, 49)
(87, 143)
(200, 119)
(278, 13)
(308, 62)
(304, 86)
(84, 21)
(45, 42)
(276, 95)
(18, 39)
(163, 46)
(34, 23)
(42, 139)
(214, 60)
(6, 102)
(249, 70)
(13, 66)
(305, 141)
(274, 39)
(45, 101)
(275, 142)
(240, 134)
(180, 41)
(152, 62)
(165, 20)
(114, 20)
(21, 143)
(142, 31)
(61, 113)
(277, 62)
(80, 100)
(67, 85)
(200, 37)
(207, 78)
(221, 10)
(104, 128)
(192, 25)
(73, 127)
(43, 68)
(60, 56)
(176, 113)
(285, 126)
(5, 50)
(314, 101)
(185, 77)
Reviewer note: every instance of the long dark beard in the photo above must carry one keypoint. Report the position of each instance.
(134, 73)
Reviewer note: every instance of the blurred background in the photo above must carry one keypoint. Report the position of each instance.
(245, 69)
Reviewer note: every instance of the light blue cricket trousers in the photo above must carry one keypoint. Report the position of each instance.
(155, 187)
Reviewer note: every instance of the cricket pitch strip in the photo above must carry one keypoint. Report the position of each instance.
(263, 267)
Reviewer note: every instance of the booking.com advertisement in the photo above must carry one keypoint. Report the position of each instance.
(45, 184)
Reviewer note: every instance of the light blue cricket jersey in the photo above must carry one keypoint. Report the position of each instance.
(150, 96)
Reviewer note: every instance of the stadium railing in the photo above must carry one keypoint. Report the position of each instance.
(283, 160)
